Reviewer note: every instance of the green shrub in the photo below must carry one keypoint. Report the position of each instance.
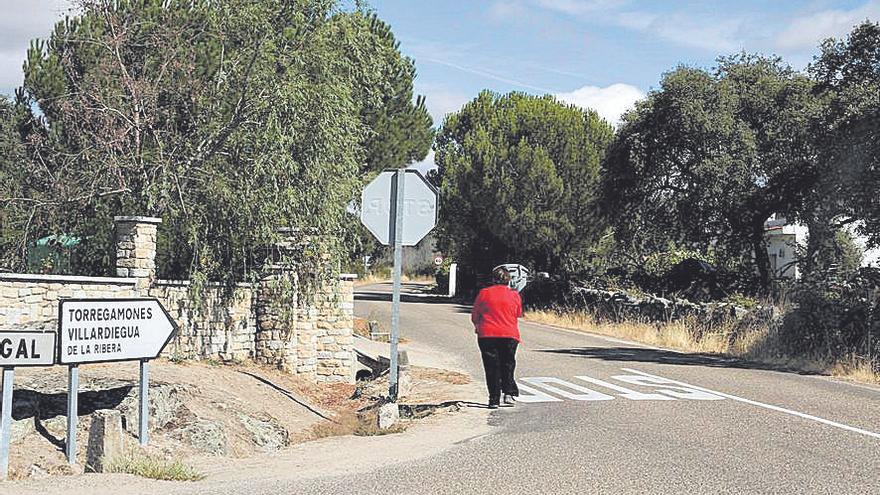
(152, 466)
(834, 318)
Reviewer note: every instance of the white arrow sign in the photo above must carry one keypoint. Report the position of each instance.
(100, 330)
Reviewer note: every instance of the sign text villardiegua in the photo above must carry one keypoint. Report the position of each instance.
(93, 330)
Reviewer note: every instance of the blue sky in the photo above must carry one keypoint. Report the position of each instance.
(603, 54)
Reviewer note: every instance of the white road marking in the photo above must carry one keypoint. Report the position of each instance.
(624, 392)
(548, 382)
(535, 395)
(674, 391)
(761, 404)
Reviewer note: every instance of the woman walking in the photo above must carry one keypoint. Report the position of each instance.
(495, 316)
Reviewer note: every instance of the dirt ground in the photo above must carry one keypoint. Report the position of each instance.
(198, 409)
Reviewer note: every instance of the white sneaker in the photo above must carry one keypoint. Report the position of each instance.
(508, 400)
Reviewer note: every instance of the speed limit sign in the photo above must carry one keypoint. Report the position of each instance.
(438, 260)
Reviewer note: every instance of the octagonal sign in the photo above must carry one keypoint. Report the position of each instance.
(419, 207)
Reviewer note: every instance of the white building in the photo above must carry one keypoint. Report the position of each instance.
(784, 239)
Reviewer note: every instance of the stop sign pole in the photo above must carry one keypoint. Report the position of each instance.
(398, 190)
(399, 207)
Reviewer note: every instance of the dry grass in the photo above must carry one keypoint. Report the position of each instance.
(674, 335)
(755, 343)
(152, 466)
(856, 369)
(353, 423)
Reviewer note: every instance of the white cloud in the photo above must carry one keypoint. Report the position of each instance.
(807, 31)
(425, 165)
(580, 6)
(19, 24)
(698, 32)
(609, 102)
(441, 102)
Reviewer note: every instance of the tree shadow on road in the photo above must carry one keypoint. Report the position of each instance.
(410, 298)
(660, 356)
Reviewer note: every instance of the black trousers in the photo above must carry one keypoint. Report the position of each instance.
(499, 361)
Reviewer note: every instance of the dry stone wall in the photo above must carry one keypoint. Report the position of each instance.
(251, 321)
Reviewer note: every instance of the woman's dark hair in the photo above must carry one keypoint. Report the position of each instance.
(500, 276)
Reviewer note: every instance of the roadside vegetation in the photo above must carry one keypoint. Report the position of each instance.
(152, 466)
(362, 424)
(757, 342)
(674, 203)
(211, 115)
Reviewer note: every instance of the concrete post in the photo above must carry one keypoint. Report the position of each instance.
(136, 249)
(106, 439)
(453, 278)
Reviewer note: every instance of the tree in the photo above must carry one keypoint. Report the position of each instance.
(707, 158)
(226, 118)
(847, 73)
(517, 177)
(13, 184)
(399, 127)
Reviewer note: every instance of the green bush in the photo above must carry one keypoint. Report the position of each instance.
(834, 318)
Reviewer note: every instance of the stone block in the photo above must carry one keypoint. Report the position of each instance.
(388, 415)
(125, 262)
(106, 439)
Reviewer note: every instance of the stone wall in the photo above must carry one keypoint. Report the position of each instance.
(32, 300)
(250, 321)
(222, 325)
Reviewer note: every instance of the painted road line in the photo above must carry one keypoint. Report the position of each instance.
(765, 406)
(624, 392)
(534, 395)
(668, 387)
(550, 383)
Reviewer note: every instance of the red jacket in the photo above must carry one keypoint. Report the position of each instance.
(495, 312)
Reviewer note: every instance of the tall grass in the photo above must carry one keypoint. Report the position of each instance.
(152, 466)
(756, 341)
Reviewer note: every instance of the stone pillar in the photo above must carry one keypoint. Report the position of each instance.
(276, 339)
(336, 360)
(136, 249)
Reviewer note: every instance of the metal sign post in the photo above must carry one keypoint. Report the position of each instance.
(144, 404)
(398, 191)
(399, 207)
(6, 420)
(106, 330)
(19, 349)
(72, 411)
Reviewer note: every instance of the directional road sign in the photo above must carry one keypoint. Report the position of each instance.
(99, 330)
(519, 275)
(419, 207)
(27, 349)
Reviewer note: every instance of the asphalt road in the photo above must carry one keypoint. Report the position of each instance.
(598, 415)
(729, 427)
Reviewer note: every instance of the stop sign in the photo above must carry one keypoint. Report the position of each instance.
(419, 207)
